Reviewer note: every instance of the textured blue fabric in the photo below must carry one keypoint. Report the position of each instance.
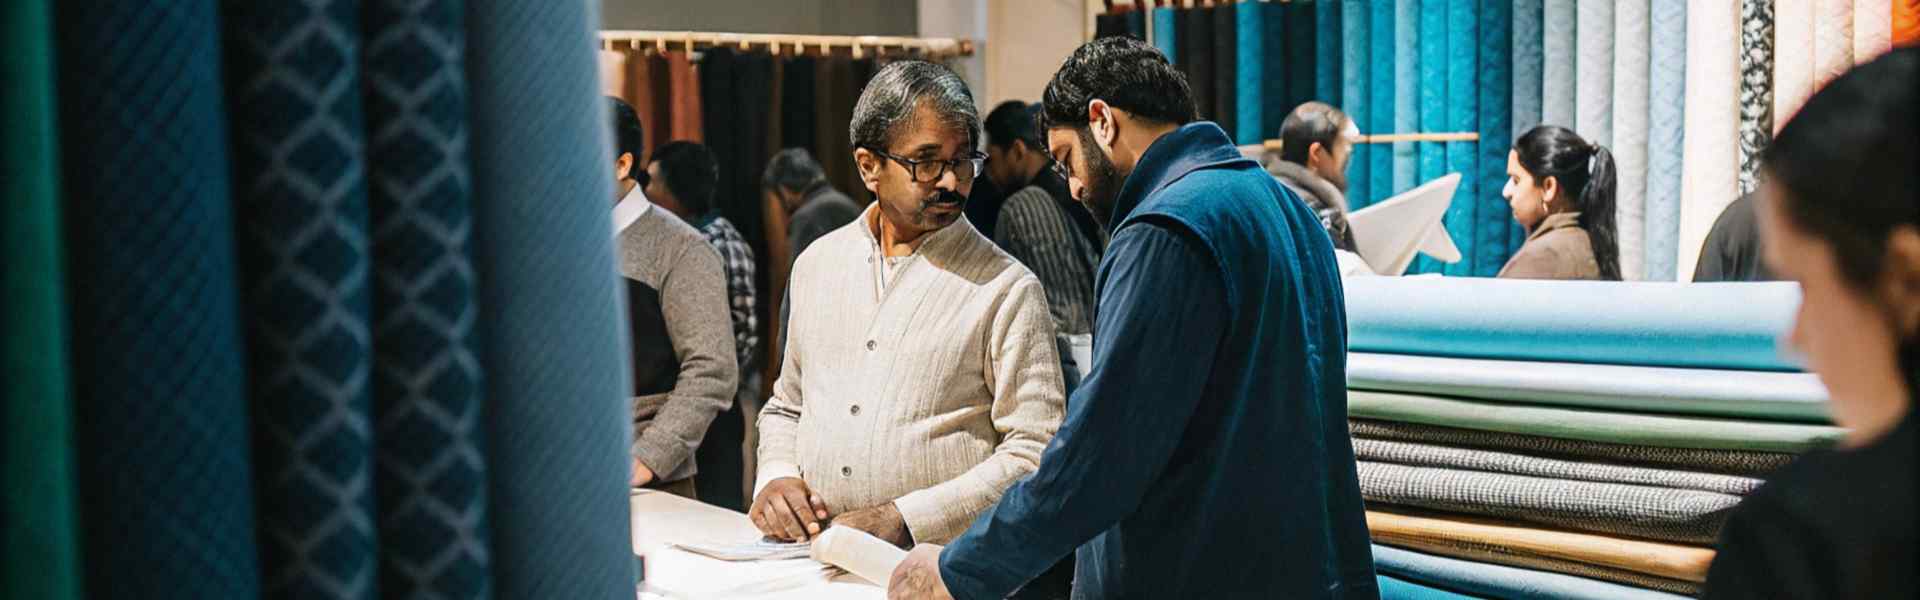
(1137, 24)
(1326, 52)
(431, 474)
(1666, 137)
(1382, 71)
(1494, 227)
(1558, 81)
(1527, 63)
(1722, 326)
(300, 199)
(1394, 588)
(1301, 45)
(1462, 113)
(1500, 581)
(1226, 74)
(1261, 82)
(1356, 96)
(1166, 34)
(1434, 72)
(160, 406)
(1407, 94)
(552, 344)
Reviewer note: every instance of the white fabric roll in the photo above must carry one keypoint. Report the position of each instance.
(1632, 21)
(1557, 71)
(1711, 178)
(1832, 40)
(1594, 67)
(1872, 29)
(859, 553)
(1792, 58)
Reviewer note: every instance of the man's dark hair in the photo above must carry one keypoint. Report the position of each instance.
(1310, 123)
(690, 172)
(628, 137)
(889, 100)
(793, 169)
(1011, 122)
(1125, 72)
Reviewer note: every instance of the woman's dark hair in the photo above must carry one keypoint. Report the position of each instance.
(690, 172)
(1127, 73)
(1586, 176)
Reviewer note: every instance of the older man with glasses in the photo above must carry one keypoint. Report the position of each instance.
(921, 377)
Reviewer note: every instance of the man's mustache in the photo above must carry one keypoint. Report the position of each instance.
(946, 198)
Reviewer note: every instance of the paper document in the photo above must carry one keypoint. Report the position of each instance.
(761, 549)
(1390, 232)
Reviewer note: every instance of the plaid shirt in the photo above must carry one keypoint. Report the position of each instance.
(736, 259)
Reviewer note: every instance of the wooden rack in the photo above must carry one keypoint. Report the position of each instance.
(780, 43)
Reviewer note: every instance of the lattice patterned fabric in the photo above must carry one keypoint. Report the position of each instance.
(1632, 44)
(1666, 133)
(1593, 65)
(1732, 462)
(1658, 513)
(159, 405)
(1558, 78)
(1832, 40)
(1468, 459)
(430, 471)
(1792, 58)
(1756, 88)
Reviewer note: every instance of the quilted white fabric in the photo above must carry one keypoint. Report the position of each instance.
(1594, 67)
(1710, 179)
(1632, 41)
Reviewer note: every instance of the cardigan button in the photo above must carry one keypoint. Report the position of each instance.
(846, 471)
(871, 344)
(855, 410)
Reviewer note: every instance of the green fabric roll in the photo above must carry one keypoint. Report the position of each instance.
(1590, 425)
(36, 463)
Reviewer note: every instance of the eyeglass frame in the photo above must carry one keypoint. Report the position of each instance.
(979, 160)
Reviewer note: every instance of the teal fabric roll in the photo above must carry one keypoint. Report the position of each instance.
(1721, 326)
(300, 143)
(1166, 34)
(39, 555)
(1196, 57)
(1301, 46)
(1137, 24)
(1558, 79)
(1407, 93)
(1666, 137)
(1494, 227)
(1499, 581)
(1261, 83)
(1327, 78)
(427, 402)
(1527, 65)
(1382, 70)
(1356, 96)
(551, 345)
(1226, 73)
(1704, 392)
(1435, 71)
(166, 496)
(1393, 588)
(1699, 433)
(1462, 113)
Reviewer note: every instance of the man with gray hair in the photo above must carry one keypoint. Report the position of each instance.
(920, 378)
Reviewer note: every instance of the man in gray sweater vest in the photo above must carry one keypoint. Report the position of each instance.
(684, 368)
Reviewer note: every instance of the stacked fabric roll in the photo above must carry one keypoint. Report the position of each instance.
(1566, 439)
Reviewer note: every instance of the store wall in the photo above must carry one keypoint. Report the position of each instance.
(812, 17)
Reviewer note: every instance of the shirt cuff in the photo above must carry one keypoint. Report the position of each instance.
(663, 457)
(926, 517)
(768, 471)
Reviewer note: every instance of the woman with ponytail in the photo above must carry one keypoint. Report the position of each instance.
(1839, 212)
(1560, 188)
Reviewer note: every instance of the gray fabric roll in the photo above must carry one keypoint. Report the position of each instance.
(1641, 511)
(1733, 462)
(1424, 455)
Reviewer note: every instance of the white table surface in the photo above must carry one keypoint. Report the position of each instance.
(661, 519)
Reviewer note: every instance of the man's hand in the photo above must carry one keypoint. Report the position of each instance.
(918, 577)
(787, 511)
(883, 521)
(641, 474)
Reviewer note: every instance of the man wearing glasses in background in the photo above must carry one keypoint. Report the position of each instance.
(921, 377)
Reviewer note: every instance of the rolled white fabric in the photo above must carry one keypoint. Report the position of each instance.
(1792, 58)
(1710, 180)
(859, 553)
(1632, 42)
(1832, 40)
(1872, 29)
(1593, 39)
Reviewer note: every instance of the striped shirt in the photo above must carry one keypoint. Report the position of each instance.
(1037, 230)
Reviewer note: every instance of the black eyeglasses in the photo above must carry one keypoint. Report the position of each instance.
(928, 171)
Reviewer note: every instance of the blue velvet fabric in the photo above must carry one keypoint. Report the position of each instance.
(1356, 95)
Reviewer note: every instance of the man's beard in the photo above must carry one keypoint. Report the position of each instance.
(1102, 181)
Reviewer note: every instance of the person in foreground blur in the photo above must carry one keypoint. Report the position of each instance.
(1207, 454)
(1561, 190)
(920, 378)
(1316, 145)
(684, 370)
(1840, 215)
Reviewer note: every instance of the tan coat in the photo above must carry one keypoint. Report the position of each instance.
(1558, 249)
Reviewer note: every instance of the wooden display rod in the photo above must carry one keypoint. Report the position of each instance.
(692, 40)
(1388, 138)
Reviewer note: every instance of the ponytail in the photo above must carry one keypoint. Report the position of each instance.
(1597, 213)
(1587, 173)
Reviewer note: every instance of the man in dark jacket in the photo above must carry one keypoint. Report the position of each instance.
(1316, 145)
(1207, 454)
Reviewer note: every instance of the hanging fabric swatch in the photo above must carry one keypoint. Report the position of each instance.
(1527, 66)
(1225, 73)
(1711, 179)
(834, 97)
(293, 84)
(431, 472)
(1666, 136)
(686, 100)
(1593, 66)
(1109, 24)
(1382, 82)
(1166, 32)
(1756, 88)
(39, 555)
(1493, 220)
(738, 85)
(1631, 71)
(1137, 24)
(1905, 22)
(1432, 63)
(1559, 55)
(1872, 29)
(1460, 113)
(156, 339)
(1326, 62)
(797, 103)
(557, 479)
(1407, 96)
(1302, 72)
(1196, 57)
(1355, 96)
(1261, 83)
(1832, 40)
(1793, 25)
